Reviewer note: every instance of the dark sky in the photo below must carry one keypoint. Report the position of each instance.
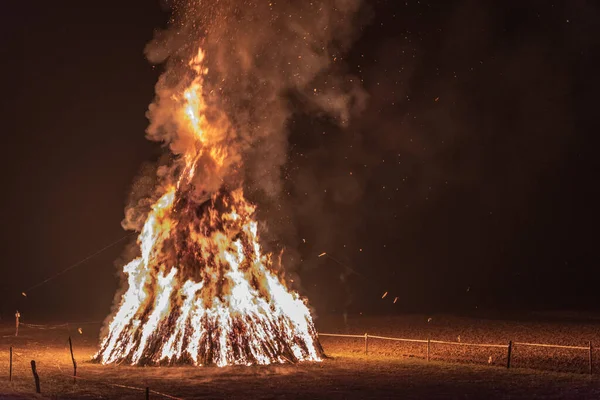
(468, 179)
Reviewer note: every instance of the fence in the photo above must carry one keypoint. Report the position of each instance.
(37, 378)
(509, 347)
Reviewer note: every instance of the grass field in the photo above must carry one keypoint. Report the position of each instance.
(391, 370)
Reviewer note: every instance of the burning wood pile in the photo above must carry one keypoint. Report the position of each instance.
(202, 290)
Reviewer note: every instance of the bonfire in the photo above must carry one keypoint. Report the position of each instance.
(202, 290)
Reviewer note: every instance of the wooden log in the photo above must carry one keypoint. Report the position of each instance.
(509, 354)
(10, 367)
(74, 362)
(36, 377)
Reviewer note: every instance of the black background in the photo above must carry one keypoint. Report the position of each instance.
(473, 165)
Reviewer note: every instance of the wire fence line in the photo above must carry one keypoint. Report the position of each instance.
(560, 346)
(37, 326)
(67, 325)
(508, 347)
(552, 345)
(503, 346)
(413, 340)
(57, 326)
(398, 339)
(78, 378)
(78, 263)
(340, 335)
(117, 385)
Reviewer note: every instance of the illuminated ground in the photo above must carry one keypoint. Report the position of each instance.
(348, 374)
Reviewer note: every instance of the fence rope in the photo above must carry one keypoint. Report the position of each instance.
(456, 343)
(78, 263)
(470, 344)
(37, 326)
(56, 326)
(340, 335)
(558, 346)
(168, 396)
(398, 339)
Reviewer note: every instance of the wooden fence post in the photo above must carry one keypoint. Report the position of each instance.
(17, 316)
(509, 354)
(36, 377)
(147, 393)
(366, 343)
(74, 362)
(10, 368)
(591, 359)
(428, 348)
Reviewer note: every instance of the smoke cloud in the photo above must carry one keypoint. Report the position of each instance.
(259, 57)
(469, 116)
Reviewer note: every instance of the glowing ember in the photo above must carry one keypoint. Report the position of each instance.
(202, 291)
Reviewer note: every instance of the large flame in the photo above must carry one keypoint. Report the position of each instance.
(203, 291)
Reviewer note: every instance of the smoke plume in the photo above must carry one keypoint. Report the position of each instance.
(259, 55)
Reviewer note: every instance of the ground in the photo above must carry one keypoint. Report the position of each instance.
(390, 370)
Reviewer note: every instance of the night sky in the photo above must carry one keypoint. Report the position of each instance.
(465, 181)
